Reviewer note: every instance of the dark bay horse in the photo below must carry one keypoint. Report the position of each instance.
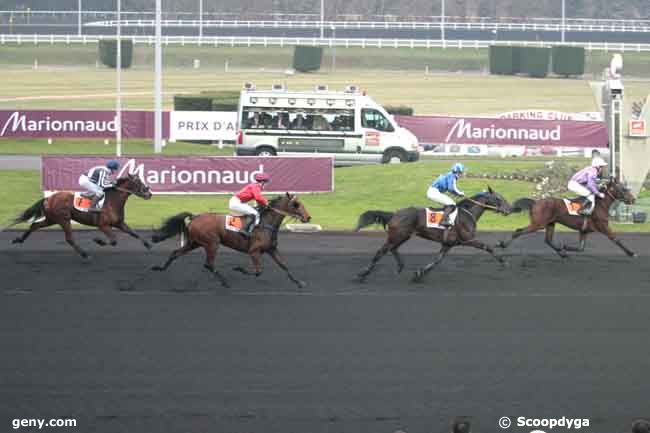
(412, 220)
(545, 213)
(59, 209)
(208, 231)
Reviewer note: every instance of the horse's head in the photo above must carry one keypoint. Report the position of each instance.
(494, 199)
(618, 191)
(293, 207)
(133, 184)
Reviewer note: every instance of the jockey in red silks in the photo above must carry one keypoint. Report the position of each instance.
(252, 191)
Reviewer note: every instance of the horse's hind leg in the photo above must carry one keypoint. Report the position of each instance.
(174, 255)
(532, 228)
(32, 228)
(420, 273)
(398, 258)
(581, 246)
(378, 255)
(210, 256)
(548, 238)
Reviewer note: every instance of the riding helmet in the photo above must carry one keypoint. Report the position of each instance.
(458, 168)
(598, 162)
(113, 165)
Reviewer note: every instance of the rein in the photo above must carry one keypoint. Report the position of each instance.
(487, 206)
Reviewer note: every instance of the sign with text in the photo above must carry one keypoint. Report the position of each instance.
(203, 125)
(518, 132)
(77, 124)
(198, 175)
(637, 128)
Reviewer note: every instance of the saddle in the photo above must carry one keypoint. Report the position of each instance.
(575, 205)
(239, 223)
(82, 202)
(434, 218)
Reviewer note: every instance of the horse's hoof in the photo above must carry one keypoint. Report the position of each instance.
(417, 276)
(239, 269)
(113, 243)
(400, 269)
(157, 268)
(633, 255)
(301, 284)
(85, 256)
(100, 242)
(225, 284)
(147, 245)
(500, 244)
(17, 241)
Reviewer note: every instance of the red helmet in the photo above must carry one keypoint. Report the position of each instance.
(261, 177)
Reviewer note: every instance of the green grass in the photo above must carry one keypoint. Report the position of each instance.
(98, 147)
(357, 189)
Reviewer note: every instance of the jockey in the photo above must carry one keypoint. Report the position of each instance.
(96, 180)
(585, 184)
(252, 191)
(447, 183)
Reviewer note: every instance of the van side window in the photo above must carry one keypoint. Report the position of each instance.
(375, 120)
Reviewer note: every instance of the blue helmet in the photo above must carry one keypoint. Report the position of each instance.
(458, 168)
(113, 165)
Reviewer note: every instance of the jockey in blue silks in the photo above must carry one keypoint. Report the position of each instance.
(447, 183)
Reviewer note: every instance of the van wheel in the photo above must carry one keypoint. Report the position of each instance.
(265, 151)
(394, 156)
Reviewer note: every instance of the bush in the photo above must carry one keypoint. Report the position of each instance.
(501, 61)
(400, 110)
(535, 61)
(108, 52)
(307, 59)
(568, 60)
(227, 100)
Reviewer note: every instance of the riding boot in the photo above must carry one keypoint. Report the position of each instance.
(94, 205)
(587, 207)
(447, 211)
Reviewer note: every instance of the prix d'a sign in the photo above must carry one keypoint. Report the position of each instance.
(203, 125)
(198, 175)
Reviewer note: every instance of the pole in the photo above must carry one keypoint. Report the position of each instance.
(442, 23)
(200, 18)
(333, 49)
(158, 82)
(79, 20)
(118, 100)
(563, 18)
(322, 19)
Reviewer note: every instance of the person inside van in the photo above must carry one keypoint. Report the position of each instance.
(298, 122)
(254, 122)
(321, 124)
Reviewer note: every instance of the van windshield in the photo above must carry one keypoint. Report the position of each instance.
(373, 119)
(305, 119)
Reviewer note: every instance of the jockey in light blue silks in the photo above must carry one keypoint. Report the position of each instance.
(96, 180)
(447, 183)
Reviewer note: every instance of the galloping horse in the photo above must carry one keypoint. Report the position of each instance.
(208, 231)
(59, 209)
(405, 222)
(546, 212)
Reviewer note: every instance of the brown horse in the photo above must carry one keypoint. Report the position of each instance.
(208, 231)
(408, 221)
(545, 213)
(59, 209)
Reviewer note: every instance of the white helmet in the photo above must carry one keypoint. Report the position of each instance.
(598, 162)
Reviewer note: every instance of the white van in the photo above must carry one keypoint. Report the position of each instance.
(347, 125)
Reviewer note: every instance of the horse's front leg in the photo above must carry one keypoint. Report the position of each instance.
(612, 237)
(126, 229)
(108, 231)
(581, 246)
(420, 273)
(481, 246)
(532, 228)
(255, 256)
(277, 258)
(548, 238)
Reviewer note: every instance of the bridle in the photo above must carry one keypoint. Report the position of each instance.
(486, 206)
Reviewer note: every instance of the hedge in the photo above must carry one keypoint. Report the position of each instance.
(568, 60)
(400, 110)
(307, 59)
(108, 52)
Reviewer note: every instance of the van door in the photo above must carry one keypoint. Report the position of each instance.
(378, 132)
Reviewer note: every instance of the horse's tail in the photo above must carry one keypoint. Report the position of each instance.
(523, 204)
(373, 217)
(172, 226)
(35, 211)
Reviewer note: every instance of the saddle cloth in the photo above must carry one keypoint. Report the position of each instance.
(82, 203)
(235, 223)
(573, 205)
(434, 218)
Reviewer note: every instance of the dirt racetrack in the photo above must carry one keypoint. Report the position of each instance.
(124, 349)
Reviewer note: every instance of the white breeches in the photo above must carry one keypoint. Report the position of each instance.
(240, 208)
(85, 183)
(581, 190)
(435, 195)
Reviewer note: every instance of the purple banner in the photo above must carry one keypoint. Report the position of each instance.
(77, 124)
(203, 175)
(480, 130)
